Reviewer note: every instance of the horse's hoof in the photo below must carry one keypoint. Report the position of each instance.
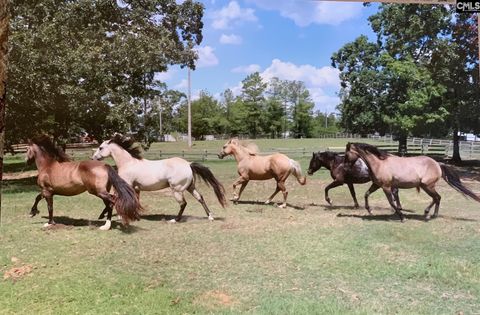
(34, 213)
(267, 202)
(356, 206)
(47, 225)
(106, 226)
(172, 221)
(328, 201)
(283, 206)
(210, 218)
(403, 220)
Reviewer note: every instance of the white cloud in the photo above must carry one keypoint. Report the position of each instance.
(312, 12)
(312, 76)
(247, 69)
(206, 57)
(232, 14)
(231, 39)
(165, 76)
(317, 81)
(182, 85)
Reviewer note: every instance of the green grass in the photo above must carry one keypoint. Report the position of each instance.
(307, 259)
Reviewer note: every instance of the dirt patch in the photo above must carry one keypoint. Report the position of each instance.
(214, 299)
(58, 226)
(16, 273)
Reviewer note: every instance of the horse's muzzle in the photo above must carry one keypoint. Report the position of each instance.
(310, 172)
(221, 155)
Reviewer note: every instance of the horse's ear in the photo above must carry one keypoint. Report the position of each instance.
(313, 154)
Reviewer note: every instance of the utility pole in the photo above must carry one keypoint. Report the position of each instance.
(160, 118)
(326, 120)
(189, 110)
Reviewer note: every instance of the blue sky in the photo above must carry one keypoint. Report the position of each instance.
(291, 40)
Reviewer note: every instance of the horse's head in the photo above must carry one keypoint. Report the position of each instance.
(103, 151)
(318, 160)
(31, 152)
(227, 148)
(315, 163)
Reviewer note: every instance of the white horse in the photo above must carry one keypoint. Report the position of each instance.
(148, 175)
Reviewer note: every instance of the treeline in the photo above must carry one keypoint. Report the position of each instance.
(420, 78)
(273, 109)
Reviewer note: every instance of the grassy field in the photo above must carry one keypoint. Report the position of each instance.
(307, 259)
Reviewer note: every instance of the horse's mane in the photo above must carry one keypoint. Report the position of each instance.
(328, 154)
(46, 145)
(382, 155)
(129, 144)
(250, 147)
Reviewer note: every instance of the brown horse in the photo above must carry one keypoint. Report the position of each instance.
(58, 175)
(342, 174)
(390, 171)
(252, 166)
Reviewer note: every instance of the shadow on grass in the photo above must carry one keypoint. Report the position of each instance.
(394, 217)
(251, 202)
(185, 218)
(94, 224)
(331, 208)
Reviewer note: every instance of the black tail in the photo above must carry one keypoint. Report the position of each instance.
(452, 178)
(207, 175)
(126, 201)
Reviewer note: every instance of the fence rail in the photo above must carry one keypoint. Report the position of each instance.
(468, 149)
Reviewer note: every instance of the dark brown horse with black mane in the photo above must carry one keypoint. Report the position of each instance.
(389, 171)
(58, 175)
(343, 174)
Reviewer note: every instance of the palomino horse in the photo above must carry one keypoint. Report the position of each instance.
(57, 175)
(341, 174)
(255, 167)
(390, 171)
(147, 175)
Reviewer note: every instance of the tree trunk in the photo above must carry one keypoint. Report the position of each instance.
(456, 146)
(402, 145)
(4, 20)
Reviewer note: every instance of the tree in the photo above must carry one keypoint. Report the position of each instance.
(253, 89)
(74, 62)
(443, 42)
(411, 77)
(207, 116)
(361, 86)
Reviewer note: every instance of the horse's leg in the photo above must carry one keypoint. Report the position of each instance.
(281, 185)
(240, 181)
(34, 211)
(108, 201)
(181, 200)
(397, 198)
(200, 199)
(354, 196)
(333, 184)
(49, 199)
(370, 190)
(430, 190)
(390, 198)
(277, 189)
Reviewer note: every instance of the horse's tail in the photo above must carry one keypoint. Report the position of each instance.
(207, 175)
(126, 202)
(297, 171)
(452, 178)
